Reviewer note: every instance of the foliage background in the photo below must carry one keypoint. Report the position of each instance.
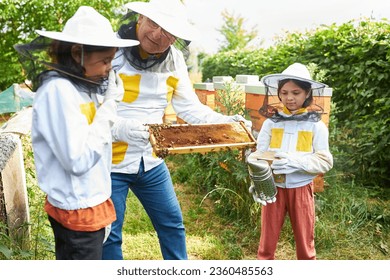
(20, 18)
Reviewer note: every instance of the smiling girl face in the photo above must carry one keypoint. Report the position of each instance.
(292, 96)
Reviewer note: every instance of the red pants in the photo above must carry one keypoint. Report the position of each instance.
(299, 204)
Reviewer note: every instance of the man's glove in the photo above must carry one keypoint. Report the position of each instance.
(239, 118)
(115, 88)
(258, 199)
(130, 130)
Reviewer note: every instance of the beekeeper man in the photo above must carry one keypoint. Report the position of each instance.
(154, 75)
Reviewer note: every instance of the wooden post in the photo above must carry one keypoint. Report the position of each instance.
(7, 148)
(15, 191)
(14, 209)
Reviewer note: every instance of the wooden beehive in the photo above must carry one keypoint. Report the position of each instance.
(199, 138)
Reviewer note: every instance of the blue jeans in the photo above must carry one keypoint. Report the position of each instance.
(155, 191)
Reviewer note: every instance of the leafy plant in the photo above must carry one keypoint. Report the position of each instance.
(20, 18)
(236, 37)
(231, 99)
(222, 175)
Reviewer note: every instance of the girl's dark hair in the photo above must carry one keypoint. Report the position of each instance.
(61, 53)
(43, 56)
(306, 86)
(62, 61)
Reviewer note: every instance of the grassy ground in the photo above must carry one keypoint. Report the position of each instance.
(207, 234)
(353, 223)
(350, 228)
(210, 237)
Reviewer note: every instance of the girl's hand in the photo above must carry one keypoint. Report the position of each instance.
(258, 199)
(285, 163)
(115, 88)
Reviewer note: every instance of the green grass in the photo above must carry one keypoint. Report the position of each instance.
(203, 242)
(352, 224)
(353, 221)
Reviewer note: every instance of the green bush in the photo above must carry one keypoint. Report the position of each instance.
(20, 18)
(222, 177)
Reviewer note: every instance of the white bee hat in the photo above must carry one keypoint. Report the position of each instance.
(88, 27)
(296, 71)
(171, 15)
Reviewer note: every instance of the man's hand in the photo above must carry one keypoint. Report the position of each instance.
(130, 130)
(239, 118)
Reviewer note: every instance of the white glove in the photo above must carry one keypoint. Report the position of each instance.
(107, 231)
(115, 89)
(239, 118)
(258, 199)
(319, 162)
(130, 130)
(285, 163)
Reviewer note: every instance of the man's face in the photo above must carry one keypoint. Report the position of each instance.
(153, 39)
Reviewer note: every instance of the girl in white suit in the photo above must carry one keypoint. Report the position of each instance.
(71, 130)
(299, 140)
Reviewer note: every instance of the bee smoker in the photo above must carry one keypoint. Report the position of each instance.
(262, 178)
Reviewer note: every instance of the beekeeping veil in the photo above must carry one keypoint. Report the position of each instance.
(272, 107)
(170, 15)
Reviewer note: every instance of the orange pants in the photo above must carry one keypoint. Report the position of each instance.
(299, 204)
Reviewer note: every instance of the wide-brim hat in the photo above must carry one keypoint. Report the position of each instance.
(88, 27)
(296, 71)
(171, 15)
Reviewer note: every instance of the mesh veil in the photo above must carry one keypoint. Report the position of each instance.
(272, 107)
(37, 62)
(153, 63)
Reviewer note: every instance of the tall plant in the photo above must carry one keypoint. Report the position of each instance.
(230, 99)
(235, 35)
